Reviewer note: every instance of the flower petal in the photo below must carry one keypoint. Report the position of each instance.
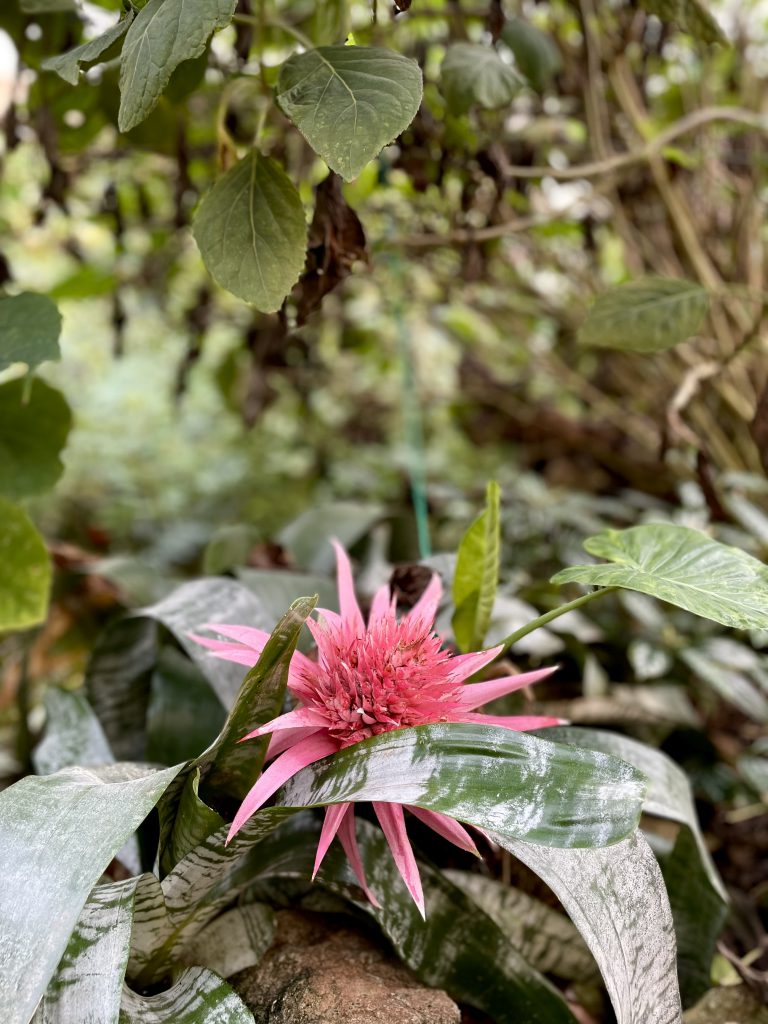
(348, 840)
(296, 719)
(520, 723)
(228, 652)
(445, 827)
(305, 752)
(254, 638)
(381, 605)
(426, 607)
(334, 815)
(350, 609)
(465, 665)
(473, 695)
(286, 738)
(392, 823)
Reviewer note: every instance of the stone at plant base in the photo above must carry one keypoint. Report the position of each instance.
(315, 975)
(731, 1005)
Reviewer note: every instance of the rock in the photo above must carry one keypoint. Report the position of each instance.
(313, 974)
(732, 1005)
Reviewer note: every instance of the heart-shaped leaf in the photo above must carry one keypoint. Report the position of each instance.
(34, 426)
(536, 55)
(649, 315)
(349, 101)
(30, 325)
(25, 570)
(682, 566)
(251, 232)
(475, 75)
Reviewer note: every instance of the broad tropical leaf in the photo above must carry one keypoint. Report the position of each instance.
(30, 325)
(67, 65)
(25, 570)
(682, 566)
(477, 575)
(649, 315)
(251, 232)
(616, 898)
(349, 101)
(34, 425)
(50, 862)
(475, 75)
(163, 34)
(536, 56)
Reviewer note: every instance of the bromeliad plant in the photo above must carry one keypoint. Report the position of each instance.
(194, 907)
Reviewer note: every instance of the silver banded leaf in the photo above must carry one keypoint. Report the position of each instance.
(252, 233)
(486, 776)
(649, 315)
(25, 570)
(163, 34)
(73, 734)
(681, 566)
(88, 984)
(349, 102)
(475, 75)
(234, 941)
(616, 898)
(198, 997)
(30, 325)
(67, 65)
(50, 862)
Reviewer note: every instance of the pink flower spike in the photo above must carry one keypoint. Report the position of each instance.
(305, 752)
(254, 638)
(226, 651)
(426, 607)
(392, 824)
(286, 738)
(334, 815)
(520, 723)
(297, 719)
(350, 609)
(380, 606)
(348, 840)
(473, 695)
(465, 665)
(445, 827)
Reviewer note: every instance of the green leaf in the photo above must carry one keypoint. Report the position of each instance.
(649, 315)
(46, 6)
(349, 101)
(552, 794)
(615, 896)
(25, 570)
(308, 536)
(184, 715)
(234, 941)
(30, 325)
(681, 566)
(477, 575)
(198, 997)
(689, 15)
(88, 983)
(475, 75)
(73, 734)
(34, 425)
(163, 34)
(67, 65)
(229, 767)
(193, 821)
(58, 833)
(251, 232)
(536, 55)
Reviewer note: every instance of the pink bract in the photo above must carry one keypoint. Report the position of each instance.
(369, 679)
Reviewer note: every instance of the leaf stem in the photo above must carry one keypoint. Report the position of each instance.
(562, 609)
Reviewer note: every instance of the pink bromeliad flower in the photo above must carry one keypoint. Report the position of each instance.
(370, 679)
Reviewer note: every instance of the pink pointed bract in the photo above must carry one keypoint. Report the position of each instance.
(369, 679)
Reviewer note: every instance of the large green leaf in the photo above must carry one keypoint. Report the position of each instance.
(30, 325)
(475, 75)
(349, 101)
(25, 570)
(536, 55)
(477, 575)
(689, 15)
(308, 536)
(615, 896)
(57, 835)
(682, 566)
(67, 65)
(163, 34)
(34, 424)
(251, 232)
(73, 734)
(88, 983)
(197, 997)
(486, 776)
(184, 715)
(649, 315)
